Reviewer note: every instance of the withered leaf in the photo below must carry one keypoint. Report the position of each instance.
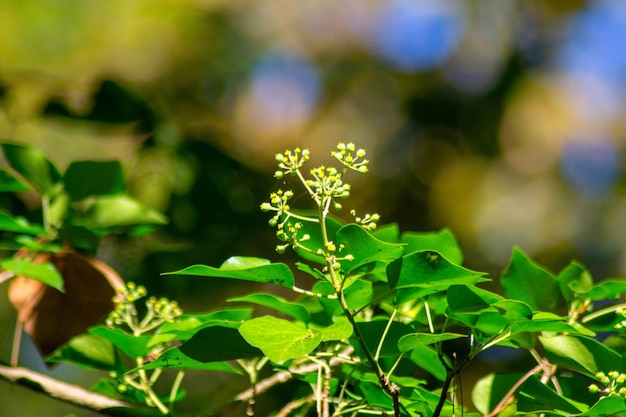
(52, 317)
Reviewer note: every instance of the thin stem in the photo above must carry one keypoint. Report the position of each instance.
(175, 387)
(313, 294)
(508, 397)
(429, 317)
(17, 342)
(602, 312)
(384, 335)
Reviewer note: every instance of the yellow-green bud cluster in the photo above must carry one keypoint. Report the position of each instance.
(327, 183)
(613, 384)
(369, 221)
(351, 157)
(289, 162)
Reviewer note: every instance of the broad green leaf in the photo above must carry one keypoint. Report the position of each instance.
(317, 274)
(607, 406)
(491, 388)
(279, 304)
(280, 340)
(415, 340)
(44, 271)
(354, 240)
(86, 178)
(535, 397)
(34, 166)
(426, 272)
(188, 325)
(442, 242)
(341, 329)
(133, 346)
(175, 359)
(389, 233)
(89, 352)
(17, 224)
(529, 282)
(611, 289)
(582, 354)
(37, 245)
(428, 359)
(248, 269)
(372, 334)
(357, 296)
(119, 211)
(573, 280)
(9, 183)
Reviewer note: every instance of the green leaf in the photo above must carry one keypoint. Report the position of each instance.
(428, 359)
(609, 289)
(607, 406)
(354, 240)
(119, 211)
(582, 354)
(188, 324)
(317, 274)
(86, 178)
(44, 271)
(426, 272)
(341, 329)
(89, 352)
(535, 397)
(248, 269)
(314, 231)
(175, 359)
(280, 340)
(387, 233)
(442, 242)
(133, 346)
(415, 340)
(491, 388)
(529, 282)
(279, 304)
(17, 224)
(34, 166)
(10, 183)
(372, 334)
(573, 280)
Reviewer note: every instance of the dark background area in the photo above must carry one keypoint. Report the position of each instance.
(503, 121)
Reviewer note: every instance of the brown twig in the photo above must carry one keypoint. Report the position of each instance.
(72, 394)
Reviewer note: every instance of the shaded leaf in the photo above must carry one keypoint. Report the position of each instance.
(428, 359)
(10, 183)
(86, 178)
(133, 346)
(280, 340)
(248, 269)
(489, 390)
(119, 211)
(17, 224)
(372, 334)
(535, 397)
(573, 280)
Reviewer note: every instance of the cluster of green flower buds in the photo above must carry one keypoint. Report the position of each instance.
(351, 157)
(290, 162)
(369, 221)
(124, 314)
(613, 384)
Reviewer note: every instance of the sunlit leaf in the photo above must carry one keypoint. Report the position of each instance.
(582, 354)
(489, 390)
(280, 340)
(279, 304)
(43, 271)
(341, 329)
(442, 242)
(34, 166)
(414, 340)
(133, 346)
(17, 224)
(248, 269)
(573, 280)
(89, 352)
(119, 211)
(535, 397)
(529, 282)
(354, 240)
(10, 183)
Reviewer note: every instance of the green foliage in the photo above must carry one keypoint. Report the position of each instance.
(387, 328)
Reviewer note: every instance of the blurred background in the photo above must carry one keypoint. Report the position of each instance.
(502, 120)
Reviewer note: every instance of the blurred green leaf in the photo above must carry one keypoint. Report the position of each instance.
(34, 166)
(280, 340)
(44, 271)
(86, 178)
(10, 183)
(248, 269)
(119, 211)
(17, 224)
(529, 282)
(89, 352)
